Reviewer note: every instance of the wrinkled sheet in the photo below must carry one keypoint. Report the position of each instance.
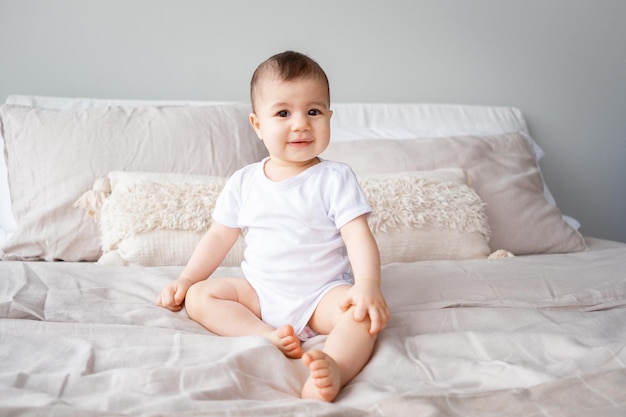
(527, 336)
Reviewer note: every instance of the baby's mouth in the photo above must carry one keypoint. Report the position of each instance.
(300, 142)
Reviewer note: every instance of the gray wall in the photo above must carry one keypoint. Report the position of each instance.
(563, 62)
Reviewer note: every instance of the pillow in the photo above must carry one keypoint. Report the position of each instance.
(53, 156)
(366, 121)
(426, 215)
(7, 220)
(154, 219)
(504, 173)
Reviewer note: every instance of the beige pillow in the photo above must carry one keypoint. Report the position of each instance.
(53, 156)
(426, 215)
(154, 219)
(503, 171)
(157, 219)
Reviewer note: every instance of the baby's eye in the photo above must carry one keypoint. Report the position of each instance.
(314, 112)
(282, 113)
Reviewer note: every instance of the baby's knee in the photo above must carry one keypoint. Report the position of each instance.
(196, 299)
(200, 295)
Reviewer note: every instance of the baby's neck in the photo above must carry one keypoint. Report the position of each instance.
(276, 170)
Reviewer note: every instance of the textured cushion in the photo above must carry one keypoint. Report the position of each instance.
(157, 219)
(503, 172)
(154, 219)
(53, 156)
(426, 215)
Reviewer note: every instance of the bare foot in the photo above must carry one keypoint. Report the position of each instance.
(325, 380)
(285, 339)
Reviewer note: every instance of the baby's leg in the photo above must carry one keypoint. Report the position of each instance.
(346, 351)
(230, 307)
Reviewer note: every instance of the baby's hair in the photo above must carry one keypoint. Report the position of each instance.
(287, 66)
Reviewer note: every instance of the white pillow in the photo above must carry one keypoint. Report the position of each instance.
(364, 121)
(53, 156)
(7, 220)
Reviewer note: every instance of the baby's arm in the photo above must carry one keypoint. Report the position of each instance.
(207, 256)
(366, 294)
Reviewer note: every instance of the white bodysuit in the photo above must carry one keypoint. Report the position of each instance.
(294, 253)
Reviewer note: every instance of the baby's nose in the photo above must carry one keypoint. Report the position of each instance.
(299, 122)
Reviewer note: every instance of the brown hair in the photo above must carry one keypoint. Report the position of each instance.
(287, 66)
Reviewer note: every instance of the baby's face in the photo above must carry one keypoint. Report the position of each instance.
(292, 118)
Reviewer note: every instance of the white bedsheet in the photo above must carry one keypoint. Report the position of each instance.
(525, 336)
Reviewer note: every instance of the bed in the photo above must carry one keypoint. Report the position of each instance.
(499, 305)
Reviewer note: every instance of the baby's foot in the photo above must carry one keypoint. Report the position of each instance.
(324, 382)
(285, 339)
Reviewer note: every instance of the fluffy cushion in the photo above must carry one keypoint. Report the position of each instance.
(53, 156)
(154, 219)
(504, 173)
(157, 219)
(426, 215)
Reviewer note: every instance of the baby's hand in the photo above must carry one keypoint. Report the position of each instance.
(368, 300)
(173, 295)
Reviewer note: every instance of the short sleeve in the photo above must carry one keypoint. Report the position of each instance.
(228, 204)
(346, 200)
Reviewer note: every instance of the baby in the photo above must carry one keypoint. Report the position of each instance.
(311, 263)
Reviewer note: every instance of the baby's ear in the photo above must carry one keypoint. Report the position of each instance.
(254, 121)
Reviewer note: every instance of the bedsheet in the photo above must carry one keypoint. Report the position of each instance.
(524, 336)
